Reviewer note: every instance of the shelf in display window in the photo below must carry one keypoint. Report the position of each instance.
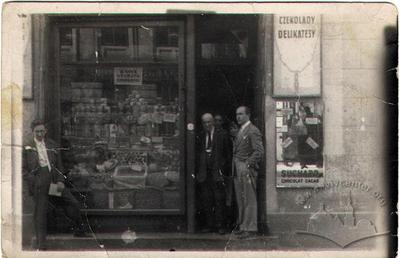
(123, 63)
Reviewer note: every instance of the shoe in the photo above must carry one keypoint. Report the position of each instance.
(221, 231)
(247, 234)
(80, 234)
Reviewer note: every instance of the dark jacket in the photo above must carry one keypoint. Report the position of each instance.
(248, 146)
(220, 157)
(30, 162)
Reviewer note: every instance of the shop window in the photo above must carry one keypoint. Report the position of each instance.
(114, 36)
(120, 104)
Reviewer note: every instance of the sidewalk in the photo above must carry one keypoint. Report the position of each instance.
(161, 242)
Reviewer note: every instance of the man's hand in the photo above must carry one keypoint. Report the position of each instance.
(60, 186)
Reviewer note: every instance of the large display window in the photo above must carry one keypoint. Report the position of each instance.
(121, 105)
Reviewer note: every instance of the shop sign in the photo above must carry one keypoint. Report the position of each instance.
(297, 176)
(128, 75)
(297, 55)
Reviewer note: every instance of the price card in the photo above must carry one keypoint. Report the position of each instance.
(312, 143)
(169, 117)
(286, 143)
(157, 118)
(279, 121)
(312, 120)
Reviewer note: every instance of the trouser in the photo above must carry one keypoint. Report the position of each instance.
(246, 197)
(212, 195)
(42, 201)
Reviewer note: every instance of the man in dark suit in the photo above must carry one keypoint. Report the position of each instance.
(213, 158)
(42, 166)
(247, 153)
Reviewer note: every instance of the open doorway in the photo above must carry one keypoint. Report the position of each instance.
(226, 65)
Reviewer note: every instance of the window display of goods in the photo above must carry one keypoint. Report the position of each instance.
(86, 90)
(125, 177)
(157, 180)
(172, 176)
(158, 74)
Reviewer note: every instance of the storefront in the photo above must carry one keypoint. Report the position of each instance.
(124, 96)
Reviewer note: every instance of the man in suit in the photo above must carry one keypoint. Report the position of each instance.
(214, 156)
(247, 153)
(42, 166)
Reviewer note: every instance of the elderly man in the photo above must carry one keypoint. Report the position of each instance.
(213, 157)
(42, 169)
(247, 153)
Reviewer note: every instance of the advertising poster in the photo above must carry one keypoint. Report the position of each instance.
(299, 144)
(297, 70)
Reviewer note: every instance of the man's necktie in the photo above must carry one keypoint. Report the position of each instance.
(208, 143)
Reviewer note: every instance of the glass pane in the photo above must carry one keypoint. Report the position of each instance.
(87, 44)
(114, 36)
(115, 44)
(166, 42)
(68, 44)
(121, 124)
(145, 42)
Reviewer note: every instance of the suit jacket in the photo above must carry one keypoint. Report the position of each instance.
(31, 166)
(220, 156)
(248, 146)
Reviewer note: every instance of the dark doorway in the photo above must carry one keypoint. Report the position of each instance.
(226, 51)
(226, 64)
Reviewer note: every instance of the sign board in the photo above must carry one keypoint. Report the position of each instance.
(297, 55)
(297, 176)
(128, 75)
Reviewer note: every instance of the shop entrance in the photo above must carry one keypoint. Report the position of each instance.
(226, 51)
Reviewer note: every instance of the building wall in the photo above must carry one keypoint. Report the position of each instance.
(353, 94)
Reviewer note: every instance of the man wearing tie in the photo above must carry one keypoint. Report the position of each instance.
(41, 167)
(247, 153)
(214, 156)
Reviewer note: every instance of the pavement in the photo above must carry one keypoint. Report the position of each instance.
(160, 242)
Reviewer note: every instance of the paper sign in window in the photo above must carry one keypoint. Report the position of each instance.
(287, 142)
(312, 143)
(168, 117)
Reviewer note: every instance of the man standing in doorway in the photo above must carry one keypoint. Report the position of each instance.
(247, 153)
(42, 168)
(214, 155)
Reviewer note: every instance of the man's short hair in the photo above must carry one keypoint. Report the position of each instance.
(209, 115)
(246, 110)
(37, 122)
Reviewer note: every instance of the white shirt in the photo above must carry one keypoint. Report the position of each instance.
(244, 126)
(42, 151)
(212, 136)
